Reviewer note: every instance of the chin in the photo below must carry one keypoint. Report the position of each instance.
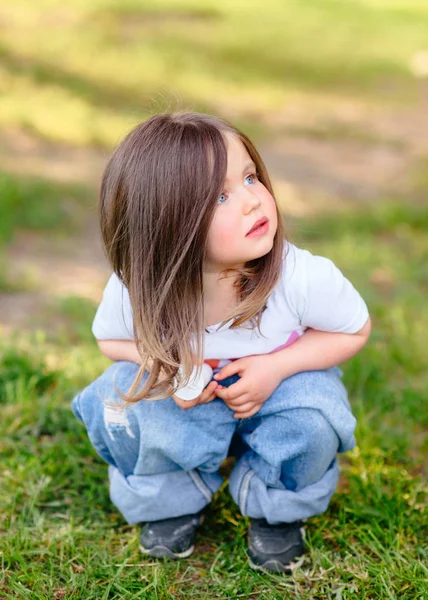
(259, 254)
(263, 249)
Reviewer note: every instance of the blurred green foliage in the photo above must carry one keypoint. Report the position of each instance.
(85, 72)
(37, 204)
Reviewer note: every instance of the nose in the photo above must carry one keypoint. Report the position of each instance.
(250, 200)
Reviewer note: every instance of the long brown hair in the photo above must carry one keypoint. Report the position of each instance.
(158, 196)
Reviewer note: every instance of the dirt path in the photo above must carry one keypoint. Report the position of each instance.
(344, 158)
(52, 267)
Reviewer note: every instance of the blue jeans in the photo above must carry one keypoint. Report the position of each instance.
(164, 461)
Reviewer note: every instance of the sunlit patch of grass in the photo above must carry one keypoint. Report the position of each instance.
(216, 56)
(27, 369)
(336, 131)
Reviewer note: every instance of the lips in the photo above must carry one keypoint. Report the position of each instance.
(257, 224)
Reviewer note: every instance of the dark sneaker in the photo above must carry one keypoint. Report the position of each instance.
(276, 548)
(170, 538)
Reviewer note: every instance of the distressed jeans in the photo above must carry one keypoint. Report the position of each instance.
(164, 461)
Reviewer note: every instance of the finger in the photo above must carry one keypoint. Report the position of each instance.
(207, 399)
(244, 408)
(233, 391)
(208, 393)
(208, 389)
(205, 396)
(185, 404)
(230, 369)
(246, 415)
(237, 403)
(211, 387)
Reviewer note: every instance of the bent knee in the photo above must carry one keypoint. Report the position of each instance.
(318, 432)
(311, 389)
(292, 433)
(316, 424)
(118, 377)
(91, 402)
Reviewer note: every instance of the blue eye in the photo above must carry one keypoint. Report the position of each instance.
(253, 178)
(222, 196)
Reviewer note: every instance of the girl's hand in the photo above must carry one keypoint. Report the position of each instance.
(208, 394)
(259, 378)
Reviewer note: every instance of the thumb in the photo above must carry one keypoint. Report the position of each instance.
(234, 367)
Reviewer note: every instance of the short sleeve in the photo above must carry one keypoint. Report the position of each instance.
(324, 298)
(114, 319)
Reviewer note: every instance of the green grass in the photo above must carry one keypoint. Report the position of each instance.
(62, 538)
(85, 72)
(82, 73)
(32, 203)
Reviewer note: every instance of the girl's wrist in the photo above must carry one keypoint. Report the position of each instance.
(282, 366)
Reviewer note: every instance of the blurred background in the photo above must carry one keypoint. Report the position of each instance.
(335, 96)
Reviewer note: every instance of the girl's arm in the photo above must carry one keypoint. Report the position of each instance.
(316, 350)
(120, 350)
(261, 374)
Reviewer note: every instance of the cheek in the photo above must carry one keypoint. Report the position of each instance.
(271, 208)
(222, 234)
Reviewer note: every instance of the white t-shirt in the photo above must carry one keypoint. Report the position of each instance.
(312, 292)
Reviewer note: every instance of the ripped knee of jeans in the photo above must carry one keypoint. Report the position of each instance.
(116, 419)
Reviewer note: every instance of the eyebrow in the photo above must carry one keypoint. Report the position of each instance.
(249, 165)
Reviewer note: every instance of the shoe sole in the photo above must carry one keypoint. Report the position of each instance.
(164, 552)
(274, 566)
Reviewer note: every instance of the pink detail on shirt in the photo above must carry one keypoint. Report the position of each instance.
(293, 337)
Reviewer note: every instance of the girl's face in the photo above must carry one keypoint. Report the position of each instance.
(244, 201)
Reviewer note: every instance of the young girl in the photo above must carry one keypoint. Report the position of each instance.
(202, 272)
